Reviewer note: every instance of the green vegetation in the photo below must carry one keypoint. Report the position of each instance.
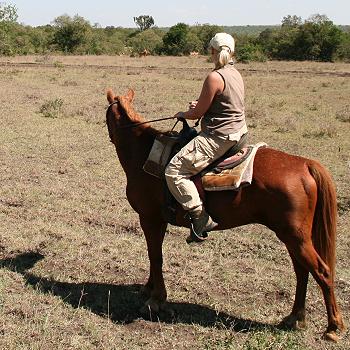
(52, 108)
(144, 22)
(70, 33)
(315, 39)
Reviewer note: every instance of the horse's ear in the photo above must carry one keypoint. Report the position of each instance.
(110, 96)
(130, 95)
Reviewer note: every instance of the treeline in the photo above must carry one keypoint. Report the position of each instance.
(316, 38)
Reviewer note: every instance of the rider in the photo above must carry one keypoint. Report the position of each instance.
(221, 104)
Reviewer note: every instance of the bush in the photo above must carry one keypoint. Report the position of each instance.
(343, 50)
(175, 40)
(316, 39)
(70, 33)
(250, 52)
(52, 109)
(149, 39)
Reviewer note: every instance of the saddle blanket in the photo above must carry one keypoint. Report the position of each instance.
(232, 179)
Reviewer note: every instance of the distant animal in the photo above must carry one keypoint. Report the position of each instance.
(194, 53)
(144, 53)
(293, 196)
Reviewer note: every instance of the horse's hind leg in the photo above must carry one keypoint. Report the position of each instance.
(154, 231)
(307, 256)
(296, 320)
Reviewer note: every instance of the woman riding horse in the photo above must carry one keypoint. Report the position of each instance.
(221, 102)
(293, 196)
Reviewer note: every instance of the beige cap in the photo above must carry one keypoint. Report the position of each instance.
(221, 40)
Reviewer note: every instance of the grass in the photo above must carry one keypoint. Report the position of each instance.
(72, 253)
(52, 109)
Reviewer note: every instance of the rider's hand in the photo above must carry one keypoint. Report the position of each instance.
(180, 115)
(192, 104)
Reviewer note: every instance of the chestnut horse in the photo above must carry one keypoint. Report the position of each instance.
(293, 196)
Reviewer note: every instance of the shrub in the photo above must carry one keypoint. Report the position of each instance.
(150, 39)
(52, 109)
(175, 40)
(70, 33)
(343, 115)
(250, 52)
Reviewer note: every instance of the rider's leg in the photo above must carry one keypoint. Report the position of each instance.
(190, 160)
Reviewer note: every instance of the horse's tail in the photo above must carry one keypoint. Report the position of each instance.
(325, 217)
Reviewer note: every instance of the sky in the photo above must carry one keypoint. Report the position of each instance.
(167, 13)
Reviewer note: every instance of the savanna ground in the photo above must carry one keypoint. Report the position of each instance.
(72, 252)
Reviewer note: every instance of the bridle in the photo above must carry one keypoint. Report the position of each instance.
(140, 123)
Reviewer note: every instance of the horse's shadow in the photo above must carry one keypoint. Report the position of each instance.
(121, 303)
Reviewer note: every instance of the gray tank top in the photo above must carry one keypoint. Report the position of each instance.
(226, 115)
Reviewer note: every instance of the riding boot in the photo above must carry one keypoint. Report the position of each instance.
(201, 224)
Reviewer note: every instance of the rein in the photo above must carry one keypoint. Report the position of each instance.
(150, 121)
(140, 123)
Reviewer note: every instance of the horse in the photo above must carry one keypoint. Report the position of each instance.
(293, 196)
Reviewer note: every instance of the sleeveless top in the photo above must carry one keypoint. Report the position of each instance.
(225, 116)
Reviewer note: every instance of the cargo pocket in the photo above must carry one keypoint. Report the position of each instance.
(200, 159)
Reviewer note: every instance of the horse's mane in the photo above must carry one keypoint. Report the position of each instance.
(128, 110)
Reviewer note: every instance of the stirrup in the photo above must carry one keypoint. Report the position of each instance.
(193, 237)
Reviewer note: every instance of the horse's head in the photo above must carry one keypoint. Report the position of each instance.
(129, 97)
(120, 106)
(120, 112)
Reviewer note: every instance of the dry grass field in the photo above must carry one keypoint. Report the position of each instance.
(72, 254)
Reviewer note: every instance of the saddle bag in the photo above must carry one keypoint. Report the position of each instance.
(165, 146)
(160, 153)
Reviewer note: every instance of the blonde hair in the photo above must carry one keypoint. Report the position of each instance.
(222, 57)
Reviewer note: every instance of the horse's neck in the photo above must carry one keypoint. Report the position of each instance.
(133, 149)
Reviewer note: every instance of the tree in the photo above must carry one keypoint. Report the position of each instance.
(318, 39)
(8, 13)
(70, 33)
(315, 39)
(150, 40)
(343, 50)
(291, 21)
(175, 40)
(8, 27)
(144, 22)
(204, 33)
(318, 19)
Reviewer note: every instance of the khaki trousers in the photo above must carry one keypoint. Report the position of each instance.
(189, 161)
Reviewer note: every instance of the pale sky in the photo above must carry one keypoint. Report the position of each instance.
(167, 13)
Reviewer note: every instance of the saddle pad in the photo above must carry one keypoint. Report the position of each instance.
(232, 179)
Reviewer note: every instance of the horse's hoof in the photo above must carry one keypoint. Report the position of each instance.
(331, 336)
(291, 322)
(151, 306)
(154, 307)
(300, 325)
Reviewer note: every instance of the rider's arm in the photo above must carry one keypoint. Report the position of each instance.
(213, 85)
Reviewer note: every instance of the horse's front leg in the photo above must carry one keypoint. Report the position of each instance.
(154, 230)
